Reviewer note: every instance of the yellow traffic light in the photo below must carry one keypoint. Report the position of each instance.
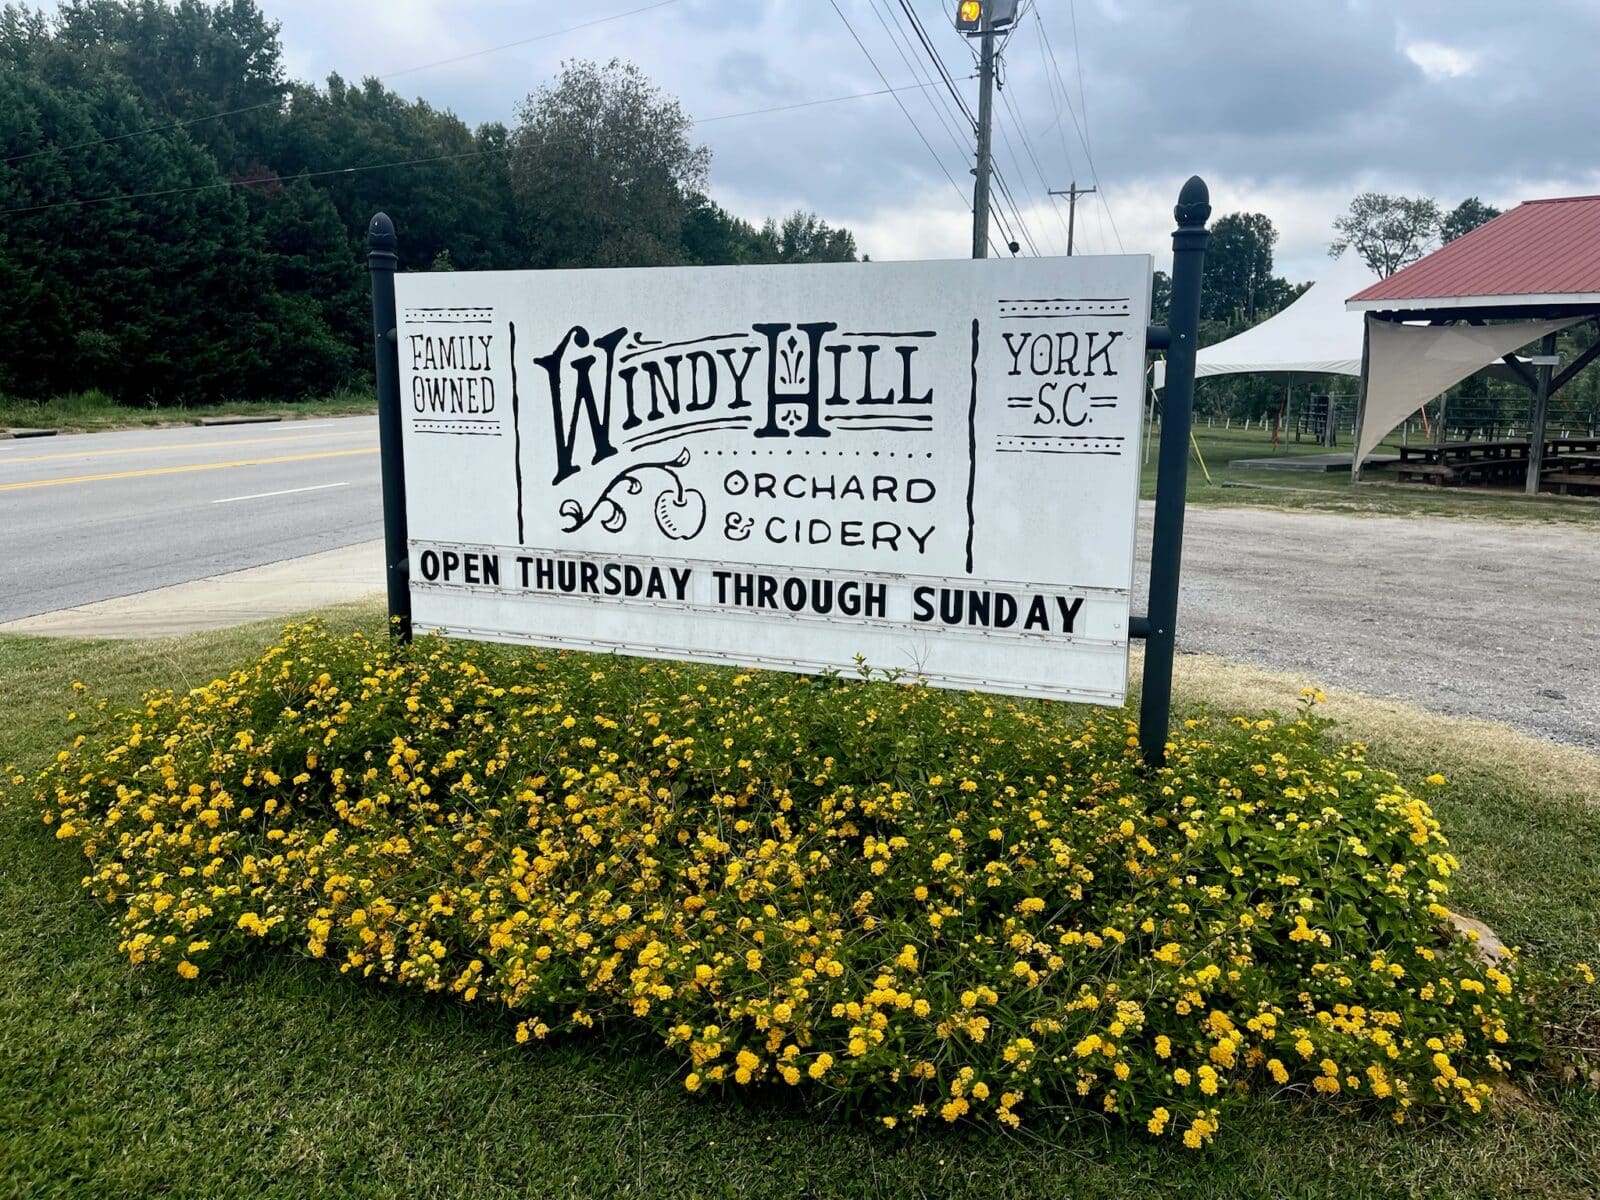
(974, 16)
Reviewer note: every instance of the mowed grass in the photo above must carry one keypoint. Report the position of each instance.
(279, 1077)
(91, 412)
(1332, 492)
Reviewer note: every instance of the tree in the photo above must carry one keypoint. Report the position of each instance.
(1465, 217)
(603, 170)
(1389, 232)
(803, 237)
(1160, 297)
(1238, 273)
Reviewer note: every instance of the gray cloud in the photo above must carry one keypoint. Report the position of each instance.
(1293, 103)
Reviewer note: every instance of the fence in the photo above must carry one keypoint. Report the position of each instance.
(1466, 419)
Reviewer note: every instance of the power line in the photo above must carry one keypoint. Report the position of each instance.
(408, 162)
(277, 102)
(756, 112)
(941, 109)
(1027, 144)
(928, 50)
(938, 59)
(1077, 59)
(1044, 38)
(903, 108)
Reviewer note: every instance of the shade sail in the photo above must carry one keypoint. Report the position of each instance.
(1314, 335)
(1411, 364)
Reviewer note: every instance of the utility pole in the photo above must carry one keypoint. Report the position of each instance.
(1072, 193)
(981, 19)
(980, 188)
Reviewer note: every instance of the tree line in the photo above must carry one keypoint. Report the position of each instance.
(181, 221)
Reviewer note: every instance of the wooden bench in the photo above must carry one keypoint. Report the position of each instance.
(1422, 472)
(1490, 468)
(1566, 482)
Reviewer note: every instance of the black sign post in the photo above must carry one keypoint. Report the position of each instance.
(1172, 468)
(381, 262)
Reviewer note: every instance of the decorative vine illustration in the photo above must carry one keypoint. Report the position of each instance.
(680, 512)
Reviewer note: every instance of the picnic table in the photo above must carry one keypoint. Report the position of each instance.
(1503, 460)
(1573, 471)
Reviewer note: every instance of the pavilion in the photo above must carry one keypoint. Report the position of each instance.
(1521, 278)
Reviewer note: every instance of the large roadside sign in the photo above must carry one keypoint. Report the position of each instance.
(929, 466)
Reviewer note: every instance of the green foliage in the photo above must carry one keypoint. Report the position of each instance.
(179, 228)
(1239, 283)
(1465, 217)
(603, 168)
(1388, 232)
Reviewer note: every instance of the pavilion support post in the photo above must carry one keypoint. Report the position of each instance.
(1361, 400)
(1541, 412)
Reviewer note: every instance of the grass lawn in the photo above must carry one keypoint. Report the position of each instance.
(1317, 491)
(90, 412)
(283, 1078)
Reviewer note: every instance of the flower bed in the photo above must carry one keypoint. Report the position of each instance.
(930, 905)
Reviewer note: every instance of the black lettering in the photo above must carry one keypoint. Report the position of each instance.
(1016, 351)
(1103, 353)
(906, 397)
(738, 376)
(567, 430)
(1069, 613)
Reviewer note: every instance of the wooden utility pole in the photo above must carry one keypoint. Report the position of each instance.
(980, 187)
(1072, 193)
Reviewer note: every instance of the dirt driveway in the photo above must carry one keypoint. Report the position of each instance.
(1498, 621)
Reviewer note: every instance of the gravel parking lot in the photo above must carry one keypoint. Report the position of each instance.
(1497, 621)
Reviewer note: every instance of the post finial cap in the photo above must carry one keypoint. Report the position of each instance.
(380, 233)
(1194, 203)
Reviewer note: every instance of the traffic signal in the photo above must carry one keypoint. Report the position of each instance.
(972, 15)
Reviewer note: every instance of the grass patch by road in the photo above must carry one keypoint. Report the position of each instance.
(1332, 492)
(92, 412)
(283, 1078)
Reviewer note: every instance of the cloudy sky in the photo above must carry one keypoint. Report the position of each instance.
(1287, 107)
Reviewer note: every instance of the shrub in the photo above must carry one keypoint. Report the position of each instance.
(927, 905)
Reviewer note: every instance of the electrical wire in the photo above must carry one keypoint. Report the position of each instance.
(1002, 185)
(1022, 131)
(940, 106)
(1044, 38)
(903, 108)
(938, 59)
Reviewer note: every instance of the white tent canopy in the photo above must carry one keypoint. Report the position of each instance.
(1314, 335)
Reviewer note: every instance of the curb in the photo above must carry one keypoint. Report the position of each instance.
(238, 420)
(29, 433)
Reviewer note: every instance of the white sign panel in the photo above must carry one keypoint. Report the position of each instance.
(931, 465)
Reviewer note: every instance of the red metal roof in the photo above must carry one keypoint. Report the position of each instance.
(1548, 249)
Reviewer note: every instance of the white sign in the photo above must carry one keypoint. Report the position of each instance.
(930, 465)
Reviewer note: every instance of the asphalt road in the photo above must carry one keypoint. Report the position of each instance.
(90, 516)
(1498, 621)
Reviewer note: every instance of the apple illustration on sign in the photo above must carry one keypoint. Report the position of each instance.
(680, 512)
